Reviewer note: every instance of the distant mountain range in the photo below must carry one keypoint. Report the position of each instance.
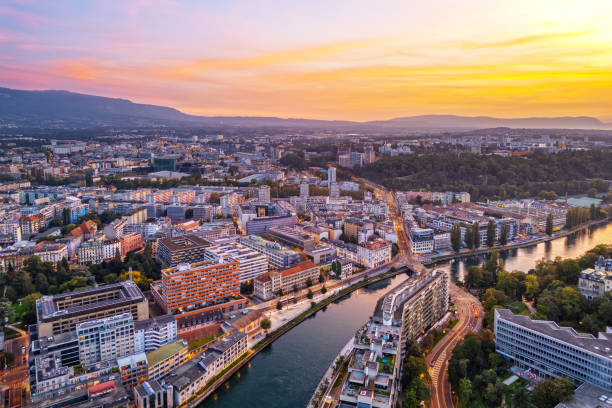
(68, 109)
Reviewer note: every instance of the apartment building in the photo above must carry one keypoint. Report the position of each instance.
(266, 286)
(133, 370)
(51, 252)
(188, 248)
(11, 228)
(415, 305)
(190, 285)
(596, 281)
(278, 257)
(30, 225)
(93, 252)
(192, 376)
(352, 226)
(129, 243)
(547, 350)
(252, 263)
(374, 253)
(136, 216)
(421, 240)
(105, 339)
(153, 333)
(152, 394)
(166, 359)
(61, 313)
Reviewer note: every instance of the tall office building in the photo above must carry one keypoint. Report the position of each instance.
(331, 175)
(264, 194)
(106, 339)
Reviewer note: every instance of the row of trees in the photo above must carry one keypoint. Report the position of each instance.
(471, 237)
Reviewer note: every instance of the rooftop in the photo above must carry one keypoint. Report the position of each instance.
(601, 345)
(302, 266)
(166, 351)
(125, 291)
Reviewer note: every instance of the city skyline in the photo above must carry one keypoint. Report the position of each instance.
(318, 60)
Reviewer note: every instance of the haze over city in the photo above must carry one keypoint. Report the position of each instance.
(346, 60)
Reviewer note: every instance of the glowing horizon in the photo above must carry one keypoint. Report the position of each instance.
(342, 61)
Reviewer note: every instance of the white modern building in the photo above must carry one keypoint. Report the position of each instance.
(252, 262)
(155, 332)
(547, 350)
(278, 256)
(106, 339)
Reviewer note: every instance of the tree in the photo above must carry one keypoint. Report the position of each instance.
(308, 282)
(548, 393)
(520, 398)
(456, 237)
(309, 295)
(323, 289)
(214, 198)
(279, 305)
(321, 278)
(503, 234)
(465, 392)
(295, 289)
(549, 224)
(469, 237)
(265, 324)
(491, 233)
(531, 286)
(476, 234)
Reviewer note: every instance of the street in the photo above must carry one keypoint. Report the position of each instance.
(15, 377)
(441, 396)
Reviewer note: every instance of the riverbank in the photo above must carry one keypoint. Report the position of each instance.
(487, 250)
(326, 380)
(212, 386)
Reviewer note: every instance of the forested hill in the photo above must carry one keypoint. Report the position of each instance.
(494, 176)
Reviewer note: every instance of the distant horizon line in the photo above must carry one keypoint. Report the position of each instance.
(604, 121)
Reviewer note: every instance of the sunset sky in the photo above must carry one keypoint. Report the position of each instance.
(323, 59)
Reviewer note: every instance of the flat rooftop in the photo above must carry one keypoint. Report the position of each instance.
(49, 307)
(165, 351)
(601, 345)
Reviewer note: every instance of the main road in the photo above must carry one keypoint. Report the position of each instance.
(15, 377)
(441, 396)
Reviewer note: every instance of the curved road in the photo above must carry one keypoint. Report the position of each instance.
(441, 396)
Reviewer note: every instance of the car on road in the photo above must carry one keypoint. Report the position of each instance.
(433, 363)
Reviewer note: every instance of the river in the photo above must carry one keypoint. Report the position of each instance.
(523, 259)
(286, 373)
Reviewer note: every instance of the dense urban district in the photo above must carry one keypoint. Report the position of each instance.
(144, 267)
